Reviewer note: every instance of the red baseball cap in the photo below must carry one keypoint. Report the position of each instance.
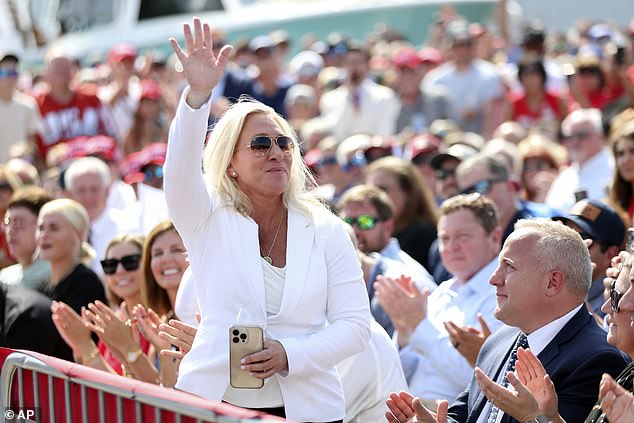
(407, 57)
(122, 51)
(150, 90)
(430, 55)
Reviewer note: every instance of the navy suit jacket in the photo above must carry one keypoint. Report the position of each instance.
(575, 360)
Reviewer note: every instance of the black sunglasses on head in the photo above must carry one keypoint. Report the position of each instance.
(481, 187)
(615, 297)
(129, 263)
(261, 144)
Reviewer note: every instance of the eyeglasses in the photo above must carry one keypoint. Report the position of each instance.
(8, 73)
(422, 159)
(130, 263)
(363, 222)
(443, 174)
(261, 144)
(481, 187)
(581, 135)
(615, 298)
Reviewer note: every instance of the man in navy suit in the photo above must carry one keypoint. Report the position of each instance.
(542, 279)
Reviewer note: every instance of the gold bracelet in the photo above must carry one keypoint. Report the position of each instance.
(94, 354)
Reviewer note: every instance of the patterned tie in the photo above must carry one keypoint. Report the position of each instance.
(522, 341)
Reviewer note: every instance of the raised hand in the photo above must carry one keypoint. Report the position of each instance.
(533, 375)
(72, 329)
(203, 69)
(403, 302)
(180, 334)
(405, 408)
(468, 340)
(616, 402)
(518, 403)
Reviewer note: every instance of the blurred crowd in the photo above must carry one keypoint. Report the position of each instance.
(431, 150)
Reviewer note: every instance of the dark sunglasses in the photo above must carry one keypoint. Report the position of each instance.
(443, 174)
(615, 297)
(363, 222)
(261, 144)
(422, 159)
(8, 73)
(130, 263)
(481, 187)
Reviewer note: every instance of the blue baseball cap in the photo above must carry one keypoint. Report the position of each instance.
(598, 220)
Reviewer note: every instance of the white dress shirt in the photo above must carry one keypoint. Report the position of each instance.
(442, 372)
(537, 341)
(594, 177)
(414, 269)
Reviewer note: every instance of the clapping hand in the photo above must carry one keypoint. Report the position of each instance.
(179, 334)
(467, 339)
(616, 402)
(405, 408)
(203, 69)
(403, 302)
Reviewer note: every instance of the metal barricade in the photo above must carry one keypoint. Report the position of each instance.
(51, 390)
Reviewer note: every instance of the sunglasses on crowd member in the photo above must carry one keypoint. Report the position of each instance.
(580, 135)
(129, 263)
(443, 174)
(8, 73)
(261, 144)
(422, 159)
(615, 297)
(363, 222)
(481, 187)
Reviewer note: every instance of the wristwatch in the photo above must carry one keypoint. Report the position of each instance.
(539, 419)
(133, 356)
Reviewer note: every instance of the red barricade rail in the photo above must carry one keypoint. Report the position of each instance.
(63, 392)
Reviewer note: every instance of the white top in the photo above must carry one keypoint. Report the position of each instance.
(442, 372)
(368, 378)
(471, 89)
(324, 315)
(594, 176)
(19, 118)
(273, 286)
(537, 341)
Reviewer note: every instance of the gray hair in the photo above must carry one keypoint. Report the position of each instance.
(592, 116)
(560, 247)
(495, 165)
(85, 166)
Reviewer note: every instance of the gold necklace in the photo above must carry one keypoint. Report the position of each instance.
(267, 257)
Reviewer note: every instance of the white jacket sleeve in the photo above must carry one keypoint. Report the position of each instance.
(188, 201)
(348, 313)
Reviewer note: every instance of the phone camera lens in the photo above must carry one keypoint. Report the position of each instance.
(236, 340)
(236, 332)
(243, 336)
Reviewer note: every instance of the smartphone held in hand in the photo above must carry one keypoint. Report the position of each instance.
(244, 340)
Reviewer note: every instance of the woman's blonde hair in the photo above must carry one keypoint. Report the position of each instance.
(77, 216)
(132, 239)
(221, 146)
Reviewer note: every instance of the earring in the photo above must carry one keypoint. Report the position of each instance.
(234, 174)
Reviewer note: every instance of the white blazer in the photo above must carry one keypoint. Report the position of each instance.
(324, 316)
